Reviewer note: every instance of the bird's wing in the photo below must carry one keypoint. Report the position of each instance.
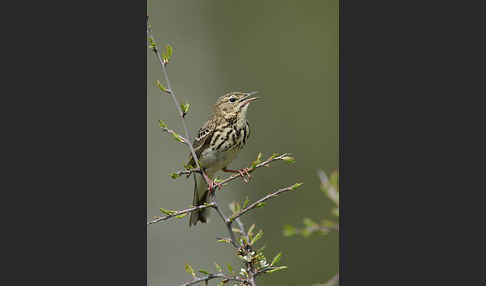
(202, 140)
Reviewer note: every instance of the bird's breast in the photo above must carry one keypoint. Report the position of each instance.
(225, 144)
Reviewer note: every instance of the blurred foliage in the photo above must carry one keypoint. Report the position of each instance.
(330, 187)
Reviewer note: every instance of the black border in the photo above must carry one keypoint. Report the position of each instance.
(76, 151)
(76, 141)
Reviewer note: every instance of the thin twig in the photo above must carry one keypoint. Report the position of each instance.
(332, 281)
(213, 276)
(176, 102)
(262, 164)
(242, 229)
(227, 222)
(187, 172)
(255, 204)
(233, 177)
(177, 213)
(170, 131)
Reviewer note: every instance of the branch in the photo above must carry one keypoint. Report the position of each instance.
(213, 276)
(331, 282)
(174, 98)
(177, 213)
(258, 203)
(227, 222)
(262, 164)
(271, 159)
(176, 136)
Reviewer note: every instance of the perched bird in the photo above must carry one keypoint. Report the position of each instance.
(217, 144)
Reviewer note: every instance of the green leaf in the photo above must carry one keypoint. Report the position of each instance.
(153, 44)
(334, 179)
(276, 258)
(277, 269)
(306, 232)
(332, 194)
(190, 270)
(167, 212)
(234, 207)
(296, 185)
(260, 204)
(174, 175)
(274, 155)
(237, 207)
(162, 124)
(185, 107)
(181, 215)
(250, 230)
(328, 223)
(229, 267)
(257, 237)
(289, 230)
(289, 159)
(218, 267)
(177, 137)
(225, 240)
(257, 161)
(245, 203)
(335, 212)
(188, 167)
(309, 223)
(159, 84)
(243, 241)
(168, 51)
(203, 271)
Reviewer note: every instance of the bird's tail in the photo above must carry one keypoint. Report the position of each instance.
(201, 196)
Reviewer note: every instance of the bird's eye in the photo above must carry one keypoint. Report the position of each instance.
(232, 99)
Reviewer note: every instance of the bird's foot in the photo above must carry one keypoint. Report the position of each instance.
(212, 184)
(244, 173)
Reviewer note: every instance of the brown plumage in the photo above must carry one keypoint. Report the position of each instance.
(217, 144)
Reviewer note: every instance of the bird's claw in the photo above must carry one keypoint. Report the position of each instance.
(213, 186)
(245, 172)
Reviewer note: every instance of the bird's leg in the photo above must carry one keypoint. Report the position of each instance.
(243, 172)
(212, 185)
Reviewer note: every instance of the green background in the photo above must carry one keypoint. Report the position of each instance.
(286, 50)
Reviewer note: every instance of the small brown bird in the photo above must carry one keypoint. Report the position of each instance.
(217, 144)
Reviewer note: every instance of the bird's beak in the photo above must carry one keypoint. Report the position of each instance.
(247, 98)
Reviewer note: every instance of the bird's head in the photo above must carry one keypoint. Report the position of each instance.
(234, 105)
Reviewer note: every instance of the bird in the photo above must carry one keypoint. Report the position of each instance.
(217, 144)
